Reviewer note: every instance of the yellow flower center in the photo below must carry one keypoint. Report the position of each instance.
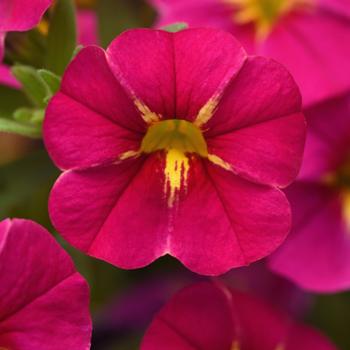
(178, 138)
(264, 13)
(340, 180)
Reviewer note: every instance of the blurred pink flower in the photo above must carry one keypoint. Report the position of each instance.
(87, 27)
(44, 302)
(6, 78)
(14, 18)
(21, 15)
(317, 253)
(307, 36)
(174, 143)
(210, 316)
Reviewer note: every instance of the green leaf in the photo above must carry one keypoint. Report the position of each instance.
(62, 37)
(29, 115)
(15, 127)
(175, 27)
(52, 80)
(33, 85)
(23, 115)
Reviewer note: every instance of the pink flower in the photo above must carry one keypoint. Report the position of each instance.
(307, 36)
(87, 27)
(43, 300)
(21, 15)
(317, 253)
(210, 316)
(17, 15)
(174, 144)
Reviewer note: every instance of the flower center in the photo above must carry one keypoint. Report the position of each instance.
(178, 138)
(264, 13)
(341, 180)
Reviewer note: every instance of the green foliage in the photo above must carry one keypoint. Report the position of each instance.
(175, 27)
(19, 128)
(52, 80)
(39, 86)
(33, 84)
(62, 37)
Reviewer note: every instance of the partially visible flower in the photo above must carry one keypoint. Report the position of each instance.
(13, 18)
(87, 27)
(17, 15)
(44, 302)
(307, 36)
(317, 253)
(21, 15)
(174, 143)
(210, 316)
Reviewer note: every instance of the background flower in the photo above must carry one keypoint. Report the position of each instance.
(306, 36)
(317, 253)
(43, 300)
(210, 316)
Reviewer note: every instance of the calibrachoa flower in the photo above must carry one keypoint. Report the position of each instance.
(317, 253)
(210, 316)
(43, 300)
(307, 36)
(174, 143)
(18, 15)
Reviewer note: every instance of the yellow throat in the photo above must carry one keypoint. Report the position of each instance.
(178, 138)
(264, 13)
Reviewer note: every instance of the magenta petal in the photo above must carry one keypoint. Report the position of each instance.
(89, 80)
(125, 223)
(218, 58)
(143, 61)
(21, 15)
(316, 254)
(243, 221)
(340, 7)
(163, 58)
(41, 294)
(306, 338)
(269, 152)
(262, 91)
(91, 120)
(328, 138)
(78, 137)
(312, 47)
(210, 316)
(6, 77)
(260, 115)
(189, 321)
(2, 46)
